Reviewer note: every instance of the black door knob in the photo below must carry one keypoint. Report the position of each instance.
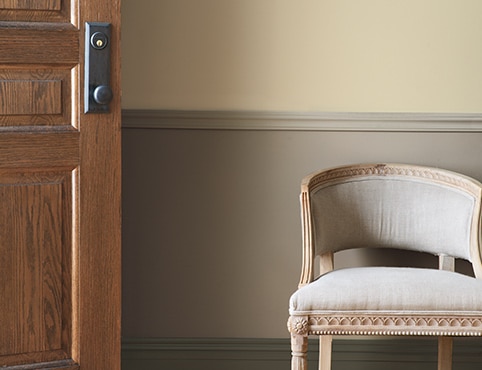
(102, 94)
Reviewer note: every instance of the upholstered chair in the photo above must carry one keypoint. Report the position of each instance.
(387, 206)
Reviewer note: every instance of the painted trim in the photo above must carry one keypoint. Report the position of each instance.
(274, 354)
(301, 121)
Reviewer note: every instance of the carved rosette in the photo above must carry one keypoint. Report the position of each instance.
(298, 325)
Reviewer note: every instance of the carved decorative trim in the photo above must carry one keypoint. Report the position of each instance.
(386, 325)
(298, 325)
(300, 121)
(387, 169)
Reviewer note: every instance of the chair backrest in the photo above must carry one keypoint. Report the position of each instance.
(392, 206)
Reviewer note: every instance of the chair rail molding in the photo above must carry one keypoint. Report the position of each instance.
(301, 121)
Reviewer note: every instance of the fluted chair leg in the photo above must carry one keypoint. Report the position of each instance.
(299, 350)
(445, 348)
(325, 352)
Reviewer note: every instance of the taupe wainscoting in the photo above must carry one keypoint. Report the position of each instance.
(237, 149)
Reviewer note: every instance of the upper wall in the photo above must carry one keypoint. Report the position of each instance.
(305, 55)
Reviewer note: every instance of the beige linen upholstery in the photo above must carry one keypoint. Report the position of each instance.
(388, 289)
(387, 206)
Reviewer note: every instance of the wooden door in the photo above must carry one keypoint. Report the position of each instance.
(59, 191)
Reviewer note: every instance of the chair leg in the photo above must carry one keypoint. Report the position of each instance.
(299, 350)
(445, 347)
(325, 352)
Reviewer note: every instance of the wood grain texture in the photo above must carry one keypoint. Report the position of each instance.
(37, 10)
(31, 5)
(45, 44)
(99, 199)
(35, 260)
(44, 149)
(50, 365)
(23, 97)
(78, 284)
(36, 96)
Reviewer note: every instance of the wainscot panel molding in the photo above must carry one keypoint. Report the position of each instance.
(299, 121)
(274, 354)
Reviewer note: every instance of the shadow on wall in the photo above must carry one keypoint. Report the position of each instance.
(212, 241)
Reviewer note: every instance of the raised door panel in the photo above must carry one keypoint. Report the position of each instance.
(35, 10)
(36, 275)
(19, 44)
(40, 97)
(31, 5)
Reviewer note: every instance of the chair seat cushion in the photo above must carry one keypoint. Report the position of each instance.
(389, 289)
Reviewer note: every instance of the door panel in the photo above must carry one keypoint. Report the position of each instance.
(36, 306)
(30, 5)
(20, 44)
(36, 97)
(45, 97)
(39, 150)
(59, 192)
(35, 11)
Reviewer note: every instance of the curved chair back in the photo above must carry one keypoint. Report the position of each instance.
(391, 206)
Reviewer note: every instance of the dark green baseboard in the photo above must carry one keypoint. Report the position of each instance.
(274, 354)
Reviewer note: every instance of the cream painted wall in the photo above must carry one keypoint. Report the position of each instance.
(305, 55)
(211, 218)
